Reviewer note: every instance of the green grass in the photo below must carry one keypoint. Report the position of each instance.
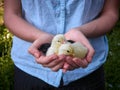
(112, 66)
(6, 73)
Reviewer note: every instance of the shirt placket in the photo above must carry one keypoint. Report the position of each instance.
(62, 13)
(61, 18)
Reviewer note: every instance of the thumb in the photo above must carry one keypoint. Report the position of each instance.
(90, 54)
(34, 51)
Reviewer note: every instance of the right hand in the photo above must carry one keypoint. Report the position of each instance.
(44, 38)
(53, 62)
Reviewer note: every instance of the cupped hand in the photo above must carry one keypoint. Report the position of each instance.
(72, 62)
(77, 36)
(53, 62)
(44, 38)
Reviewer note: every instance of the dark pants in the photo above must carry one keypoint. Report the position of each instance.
(94, 81)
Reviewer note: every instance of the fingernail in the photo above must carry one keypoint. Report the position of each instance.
(64, 70)
(36, 55)
(89, 59)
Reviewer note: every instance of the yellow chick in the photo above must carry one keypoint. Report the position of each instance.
(73, 49)
(66, 49)
(55, 44)
(80, 50)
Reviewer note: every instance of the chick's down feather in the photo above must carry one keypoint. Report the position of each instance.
(80, 50)
(55, 44)
(66, 49)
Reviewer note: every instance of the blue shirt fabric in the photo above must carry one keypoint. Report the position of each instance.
(58, 17)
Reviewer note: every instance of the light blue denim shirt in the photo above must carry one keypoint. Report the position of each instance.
(58, 17)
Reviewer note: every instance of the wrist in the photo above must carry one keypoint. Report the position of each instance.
(81, 30)
(38, 34)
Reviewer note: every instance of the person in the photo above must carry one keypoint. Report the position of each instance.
(35, 22)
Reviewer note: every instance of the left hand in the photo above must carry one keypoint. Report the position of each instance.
(73, 63)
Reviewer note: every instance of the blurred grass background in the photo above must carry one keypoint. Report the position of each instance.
(112, 65)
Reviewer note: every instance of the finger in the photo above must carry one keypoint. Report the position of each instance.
(46, 59)
(67, 67)
(57, 67)
(84, 63)
(64, 70)
(34, 51)
(70, 61)
(90, 54)
(53, 63)
(81, 63)
(78, 62)
(62, 57)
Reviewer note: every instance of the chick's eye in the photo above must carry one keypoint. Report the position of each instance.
(58, 41)
(68, 51)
